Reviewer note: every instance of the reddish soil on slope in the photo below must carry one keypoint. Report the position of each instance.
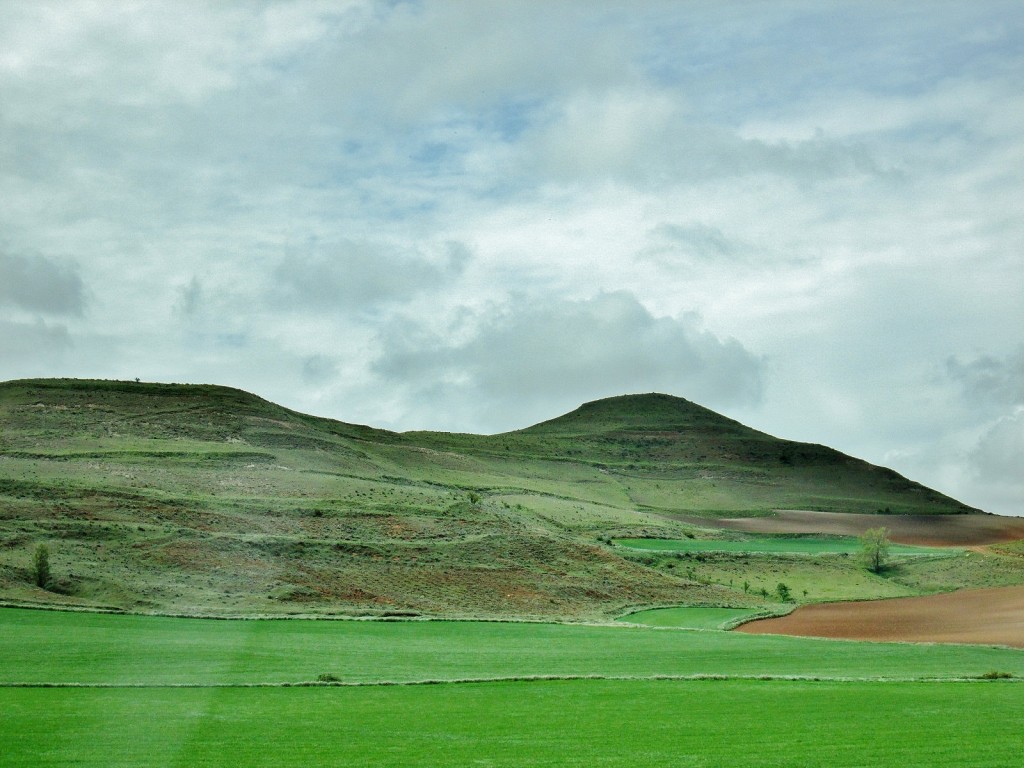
(988, 616)
(923, 530)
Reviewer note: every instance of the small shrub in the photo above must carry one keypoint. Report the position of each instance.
(327, 677)
(41, 566)
(994, 675)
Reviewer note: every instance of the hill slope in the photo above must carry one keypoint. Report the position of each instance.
(208, 499)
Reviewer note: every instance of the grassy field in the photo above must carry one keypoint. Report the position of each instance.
(59, 647)
(557, 723)
(109, 690)
(689, 618)
(804, 545)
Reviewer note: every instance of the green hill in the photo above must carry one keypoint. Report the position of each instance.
(210, 500)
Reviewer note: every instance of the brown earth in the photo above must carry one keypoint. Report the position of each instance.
(987, 616)
(923, 530)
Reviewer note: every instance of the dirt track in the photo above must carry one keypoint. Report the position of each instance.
(924, 530)
(987, 616)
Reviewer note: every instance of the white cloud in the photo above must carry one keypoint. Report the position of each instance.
(264, 194)
(535, 355)
(357, 275)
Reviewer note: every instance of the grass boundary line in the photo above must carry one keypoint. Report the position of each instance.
(515, 679)
(771, 613)
(397, 617)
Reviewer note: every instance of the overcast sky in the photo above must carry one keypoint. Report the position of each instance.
(473, 216)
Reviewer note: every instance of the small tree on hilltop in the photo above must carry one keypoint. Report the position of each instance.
(875, 548)
(41, 566)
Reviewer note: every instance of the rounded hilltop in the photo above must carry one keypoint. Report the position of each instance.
(652, 411)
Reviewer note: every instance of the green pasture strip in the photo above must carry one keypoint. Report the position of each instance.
(58, 647)
(806, 545)
(687, 617)
(565, 723)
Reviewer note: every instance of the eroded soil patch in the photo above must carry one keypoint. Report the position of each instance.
(924, 530)
(991, 616)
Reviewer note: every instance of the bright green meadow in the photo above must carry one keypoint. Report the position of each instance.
(58, 647)
(553, 723)
(690, 617)
(110, 690)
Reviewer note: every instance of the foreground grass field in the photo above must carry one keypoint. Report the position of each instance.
(56, 647)
(552, 723)
(110, 690)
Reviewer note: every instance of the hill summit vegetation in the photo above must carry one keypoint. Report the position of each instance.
(209, 500)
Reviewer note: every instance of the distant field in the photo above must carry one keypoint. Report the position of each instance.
(554, 723)
(806, 545)
(688, 617)
(57, 647)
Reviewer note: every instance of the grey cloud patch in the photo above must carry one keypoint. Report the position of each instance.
(39, 284)
(190, 298)
(999, 454)
(993, 389)
(645, 138)
(530, 357)
(700, 239)
(26, 342)
(358, 275)
(691, 244)
(996, 462)
(672, 244)
(319, 369)
(990, 380)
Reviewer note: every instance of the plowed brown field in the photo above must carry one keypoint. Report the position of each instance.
(990, 616)
(924, 530)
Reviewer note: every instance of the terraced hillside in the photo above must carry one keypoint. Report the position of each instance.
(205, 499)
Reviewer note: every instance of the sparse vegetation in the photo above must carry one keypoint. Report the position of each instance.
(41, 566)
(206, 499)
(995, 675)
